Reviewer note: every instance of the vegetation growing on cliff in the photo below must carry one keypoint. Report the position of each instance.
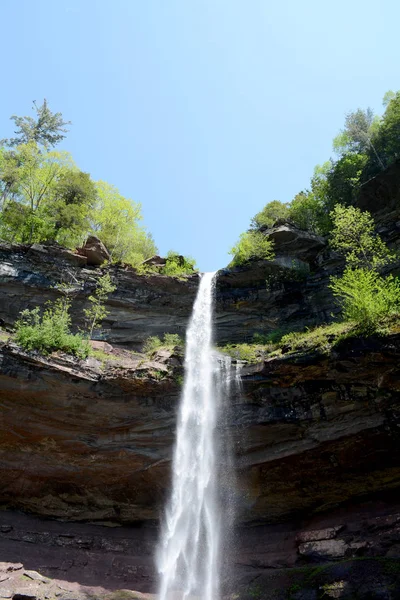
(177, 265)
(50, 330)
(366, 145)
(251, 245)
(97, 311)
(366, 296)
(45, 197)
(169, 340)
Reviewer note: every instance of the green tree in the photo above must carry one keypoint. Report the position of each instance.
(307, 212)
(252, 245)
(353, 235)
(364, 295)
(46, 129)
(70, 206)
(388, 97)
(270, 214)
(35, 179)
(97, 311)
(9, 164)
(116, 221)
(386, 140)
(178, 265)
(360, 127)
(344, 180)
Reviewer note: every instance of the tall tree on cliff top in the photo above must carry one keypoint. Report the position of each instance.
(46, 129)
(359, 129)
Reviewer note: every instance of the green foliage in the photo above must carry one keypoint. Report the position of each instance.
(4, 335)
(35, 175)
(358, 130)
(252, 245)
(45, 197)
(366, 145)
(69, 209)
(170, 340)
(353, 235)
(47, 129)
(307, 212)
(116, 222)
(270, 214)
(50, 331)
(385, 148)
(388, 97)
(177, 265)
(97, 311)
(322, 338)
(179, 379)
(366, 297)
(344, 180)
(251, 353)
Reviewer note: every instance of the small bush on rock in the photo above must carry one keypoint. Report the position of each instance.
(177, 265)
(170, 340)
(50, 331)
(252, 245)
(366, 297)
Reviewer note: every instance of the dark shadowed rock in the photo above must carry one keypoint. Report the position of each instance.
(155, 261)
(95, 251)
(381, 194)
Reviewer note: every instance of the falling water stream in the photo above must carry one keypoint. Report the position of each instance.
(189, 548)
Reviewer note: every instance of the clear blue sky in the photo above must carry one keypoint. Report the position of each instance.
(202, 110)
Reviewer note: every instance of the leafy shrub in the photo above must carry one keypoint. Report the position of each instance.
(270, 338)
(50, 331)
(151, 344)
(252, 245)
(251, 353)
(322, 338)
(307, 212)
(178, 265)
(353, 235)
(366, 297)
(270, 214)
(97, 310)
(170, 340)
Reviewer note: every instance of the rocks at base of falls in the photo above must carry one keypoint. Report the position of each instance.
(356, 550)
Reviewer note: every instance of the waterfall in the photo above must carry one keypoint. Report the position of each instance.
(189, 548)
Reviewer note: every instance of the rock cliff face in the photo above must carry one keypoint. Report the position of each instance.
(140, 307)
(85, 446)
(316, 440)
(257, 298)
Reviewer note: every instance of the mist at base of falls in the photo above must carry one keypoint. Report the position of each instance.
(199, 510)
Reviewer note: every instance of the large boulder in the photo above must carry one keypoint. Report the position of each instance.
(155, 261)
(95, 251)
(295, 244)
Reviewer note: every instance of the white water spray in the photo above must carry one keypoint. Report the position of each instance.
(188, 555)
